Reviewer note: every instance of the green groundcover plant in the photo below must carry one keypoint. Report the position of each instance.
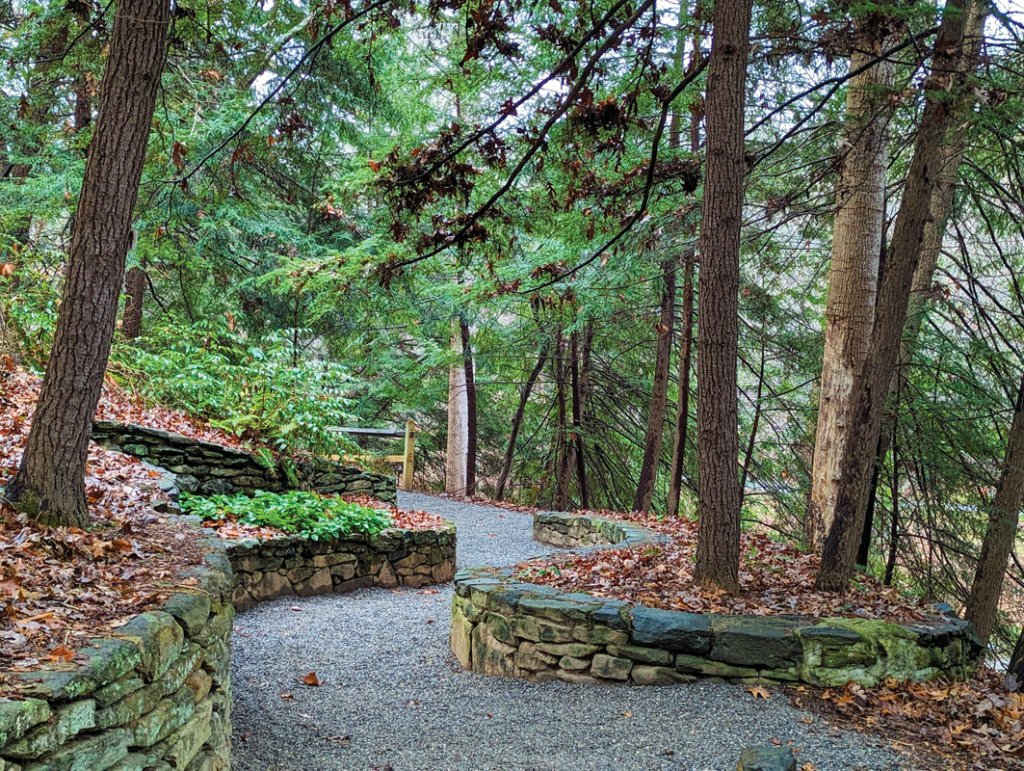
(296, 512)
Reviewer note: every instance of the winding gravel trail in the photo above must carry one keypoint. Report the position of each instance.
(394, 699)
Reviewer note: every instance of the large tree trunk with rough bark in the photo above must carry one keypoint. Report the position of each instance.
(517, 422)
(853, 278)
(872, 383)
(675, 482)
(659, 391)
(49, 484)
(1015, 671)
(718, 545)
(1001, 533)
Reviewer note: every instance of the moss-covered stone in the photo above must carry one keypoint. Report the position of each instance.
(191, 609)
(17, 717)
(641, 654)
(88, 753)
(610, 667)
(168, 715)
(460, 637)
(642, 674)
(117, 690)
(767, 759)
(159, 638)
(698, 665)
(65, 722)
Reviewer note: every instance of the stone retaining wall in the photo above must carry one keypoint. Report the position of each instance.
(208, 468)
(559, 528)
(154, 693)
(501, 626)
(265, 569)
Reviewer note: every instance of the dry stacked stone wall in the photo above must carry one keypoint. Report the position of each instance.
(154, 693)
(278, 567)
(207, 468)
(501, 626)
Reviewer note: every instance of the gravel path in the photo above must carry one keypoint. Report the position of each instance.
(394, 699)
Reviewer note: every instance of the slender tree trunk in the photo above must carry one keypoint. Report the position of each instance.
(659, 391)
(675, 482)
(940, 208)
(752, 440)
(49, 484)
(578, 384)
(718, 545)
(564, 455)
(517, 422)
(458, 436)
(135, 291)
(894, 520)
(471, 433)
(853, 278)
(871, 386)
(1001, 533)
(1015, 671)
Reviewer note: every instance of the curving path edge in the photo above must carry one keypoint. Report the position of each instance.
(393, 698)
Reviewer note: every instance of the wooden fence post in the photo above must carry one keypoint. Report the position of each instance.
(409, 462)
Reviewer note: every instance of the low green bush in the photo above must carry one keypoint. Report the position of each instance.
(300, 513)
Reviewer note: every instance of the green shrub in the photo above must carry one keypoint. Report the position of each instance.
(300, 513)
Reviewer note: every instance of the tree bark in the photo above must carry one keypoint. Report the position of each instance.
(471, 433)
(135, 292)
(1015, 671)
(565, 448)
(517, 422)
(49, 484)
(458, 437)
(1001, 533)
(871, 386)
(718, 546)
(659, 391)
(853, 277)
(579, 375)
(675, 482)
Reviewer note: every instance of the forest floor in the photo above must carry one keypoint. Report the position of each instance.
(393, 697)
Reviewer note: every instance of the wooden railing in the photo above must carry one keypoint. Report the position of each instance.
(407, 458)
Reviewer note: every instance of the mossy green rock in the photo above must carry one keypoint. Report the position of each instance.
(643, 655)
(16, 717)
(191, 609)
(610, 667)
(97, 751)
(767, 759)
(168, 715)
(65, 722)
(159, 638)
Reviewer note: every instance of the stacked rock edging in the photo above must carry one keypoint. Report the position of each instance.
(289, 565)
(502, 626)
(154, 693)
(208, 468)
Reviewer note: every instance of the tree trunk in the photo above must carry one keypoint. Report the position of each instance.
(458, 435)
(470, 377)
(578, 385)
(1001, 532)
(1015, 671)
(659, 391)
(675, 482)
(871, 385)
(565, 448)
(853, 277)
(135, 291)
(49, 484)
(718, 545)
(517, 422)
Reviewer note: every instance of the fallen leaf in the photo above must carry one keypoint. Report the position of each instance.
(61, 653)
(312, 680)
(759, 692)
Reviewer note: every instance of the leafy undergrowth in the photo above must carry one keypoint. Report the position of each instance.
(269, 515)
(775, 578)
(975, 725)
(60, 586)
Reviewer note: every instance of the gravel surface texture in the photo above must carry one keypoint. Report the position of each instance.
(394, 699)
